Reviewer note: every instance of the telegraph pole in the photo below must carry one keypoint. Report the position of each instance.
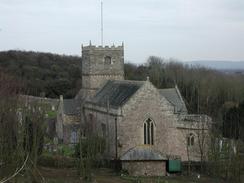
(102, 23)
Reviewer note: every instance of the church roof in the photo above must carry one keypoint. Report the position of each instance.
(116, 92)
(174, 97)
(71, 106)
(142, 153)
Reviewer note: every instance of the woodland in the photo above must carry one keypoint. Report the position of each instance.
(205, 91)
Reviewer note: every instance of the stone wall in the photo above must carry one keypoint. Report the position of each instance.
(146, 168)
(71, 124)
(147, 103)
(130, 118)
(93, 60)
(95, 70)
(95, 82)
(170, 134)
(66, 124)
(71, 119)
(178, 145)
(180, 133)
(101, 120)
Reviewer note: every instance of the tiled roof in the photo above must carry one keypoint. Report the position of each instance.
(174, 97)
(140, 153)
(116, 92)
(71, 106)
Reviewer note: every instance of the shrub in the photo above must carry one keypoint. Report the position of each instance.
(66, 150)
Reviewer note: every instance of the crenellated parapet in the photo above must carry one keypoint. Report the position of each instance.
(106, 47)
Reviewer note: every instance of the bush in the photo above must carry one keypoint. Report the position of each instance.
(65, 150)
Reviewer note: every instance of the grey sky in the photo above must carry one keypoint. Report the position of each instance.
(182, 29)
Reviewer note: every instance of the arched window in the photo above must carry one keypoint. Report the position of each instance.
(73, 137)
(190, 139)
(148, 132)
(108, 60)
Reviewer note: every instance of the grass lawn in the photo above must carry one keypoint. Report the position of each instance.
(53, 175)
(174, 179)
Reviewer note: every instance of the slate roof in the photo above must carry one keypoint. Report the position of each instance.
(142, 153)
(174, 97)
(116, 92)
(71, 106)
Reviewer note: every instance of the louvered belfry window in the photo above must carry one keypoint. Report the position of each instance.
(107, 60)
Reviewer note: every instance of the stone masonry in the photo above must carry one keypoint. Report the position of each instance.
(124, 122)
(143, 126)
(100, 64)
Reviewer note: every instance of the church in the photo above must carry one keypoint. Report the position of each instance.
(144, 127)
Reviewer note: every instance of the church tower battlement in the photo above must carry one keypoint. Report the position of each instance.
(99, 64)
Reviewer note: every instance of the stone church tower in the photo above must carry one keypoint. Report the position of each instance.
(100, 64)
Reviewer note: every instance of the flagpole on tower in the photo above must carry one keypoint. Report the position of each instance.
(102, 23)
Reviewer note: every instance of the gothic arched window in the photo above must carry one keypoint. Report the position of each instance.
(190, 139)
(107, 60)
(148, 132)
(73, 137)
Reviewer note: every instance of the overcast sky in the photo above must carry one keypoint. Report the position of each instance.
(182, 29)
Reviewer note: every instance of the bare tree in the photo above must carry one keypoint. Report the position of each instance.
(91, 147)
(12, 154)
(21, 130)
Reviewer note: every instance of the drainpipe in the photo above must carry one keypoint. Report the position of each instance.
(116, 139)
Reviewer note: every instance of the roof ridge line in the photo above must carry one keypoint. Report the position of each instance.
(165, 88)
(127, 81)
(179, 94)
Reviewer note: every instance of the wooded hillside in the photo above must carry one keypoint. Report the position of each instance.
(44, 74)
(204, 90)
